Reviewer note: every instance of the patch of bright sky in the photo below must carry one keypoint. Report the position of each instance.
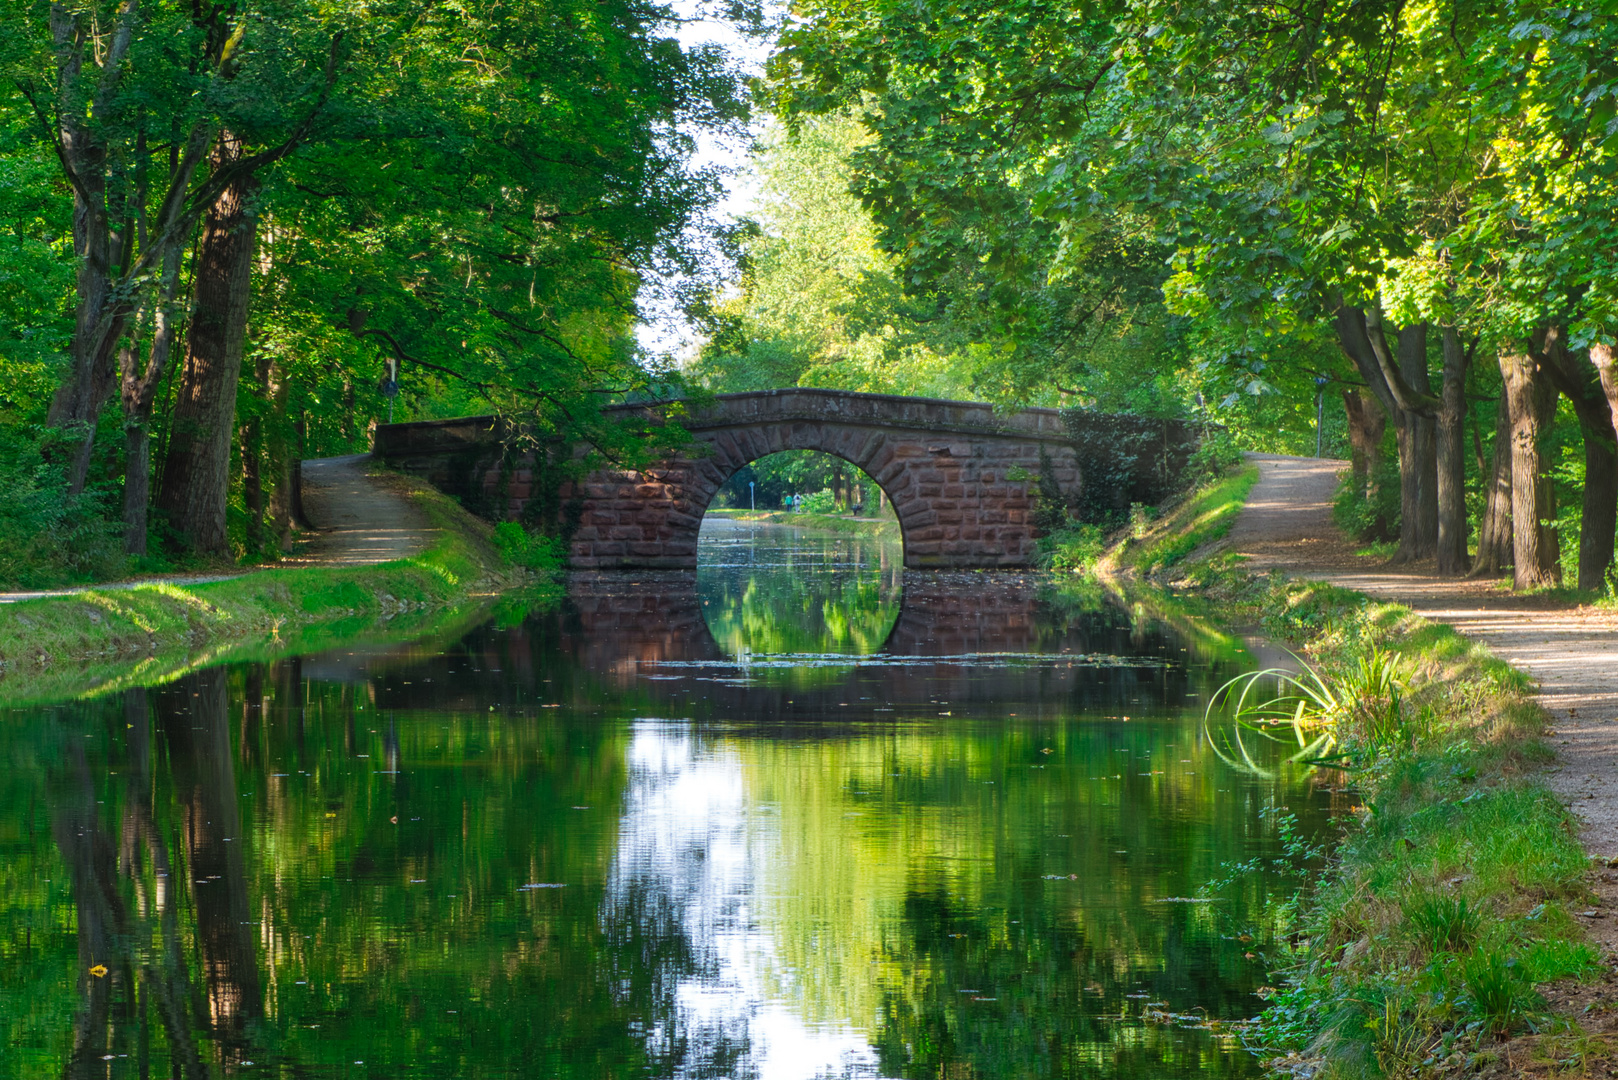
(666, 333)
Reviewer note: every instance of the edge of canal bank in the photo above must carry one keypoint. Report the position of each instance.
(98, 639)
(1449, 932)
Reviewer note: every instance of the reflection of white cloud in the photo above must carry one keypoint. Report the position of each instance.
(697, 853)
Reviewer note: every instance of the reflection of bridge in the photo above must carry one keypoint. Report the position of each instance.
(643, 641)
(946, 466)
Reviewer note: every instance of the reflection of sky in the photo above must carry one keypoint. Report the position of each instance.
(690, 842)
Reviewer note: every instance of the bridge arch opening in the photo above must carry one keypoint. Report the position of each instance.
(799, 552)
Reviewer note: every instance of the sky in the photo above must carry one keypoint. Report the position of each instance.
(666, 331)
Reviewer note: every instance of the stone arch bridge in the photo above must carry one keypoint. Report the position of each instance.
(946, 466)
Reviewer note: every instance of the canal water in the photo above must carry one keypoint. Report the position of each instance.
(802, 815)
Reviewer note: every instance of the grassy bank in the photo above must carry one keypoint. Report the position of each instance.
(98, 639)
(1446, 914)
(1441, 935)
(884, 528)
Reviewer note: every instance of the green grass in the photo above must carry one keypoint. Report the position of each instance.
(1450, 896)
(99, 639)
(1202, 517)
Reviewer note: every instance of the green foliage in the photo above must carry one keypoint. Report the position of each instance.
(820, 304)
(1072, 548)
(48, 538)
(1214, 458)
(766, 483)
(531, 551)
(1445, 923)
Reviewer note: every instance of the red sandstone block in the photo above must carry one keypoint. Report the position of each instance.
(524, 476)
(925, 534)
(608, 548)
(643, 548)
(1016, 517)
(991, 517)
(953, 491)
(949, 517)
(625, 532)
(651, 491)
(519, 491)
(971, 532)
(585, 533)
(928, 491)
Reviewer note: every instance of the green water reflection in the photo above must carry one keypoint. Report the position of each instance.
(593, 845)
(765, 589)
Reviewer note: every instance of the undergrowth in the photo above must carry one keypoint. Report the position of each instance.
(1152, 544)
(1422, 939)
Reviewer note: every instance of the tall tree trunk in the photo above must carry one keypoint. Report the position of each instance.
(1452, 553)
(299, 439)
(1411, 408)
(1494, 538)
(1536, 558)
(1583, 388)
(1366, 424)
(253, 483)
(278, 456)
(1605, 359)
(1418, 472)
(196, 476)
(137, 393)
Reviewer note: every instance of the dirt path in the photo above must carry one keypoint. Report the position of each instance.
(1573, 653)
(361, 519)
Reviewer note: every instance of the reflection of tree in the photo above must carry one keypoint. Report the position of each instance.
(910, 891)
(192, 715)
(240, 914)
(785, 612)
(130, 957)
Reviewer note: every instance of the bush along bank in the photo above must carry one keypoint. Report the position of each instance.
(1442, 936)
(65, 646)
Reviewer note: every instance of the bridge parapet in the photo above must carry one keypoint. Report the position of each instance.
(947, 467)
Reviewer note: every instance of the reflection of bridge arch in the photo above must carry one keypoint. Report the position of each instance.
(946, 466)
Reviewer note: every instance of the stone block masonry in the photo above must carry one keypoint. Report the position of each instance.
(943, 465)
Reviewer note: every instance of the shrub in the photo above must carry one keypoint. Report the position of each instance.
(1072, 547)
(1215, 456)
(48, 537)
(519, 547)
(819, 502)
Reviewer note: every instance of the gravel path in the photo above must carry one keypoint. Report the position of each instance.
(360, 519)
(1571, 652)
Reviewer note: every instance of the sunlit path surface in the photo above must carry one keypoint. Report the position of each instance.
(796, 816)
